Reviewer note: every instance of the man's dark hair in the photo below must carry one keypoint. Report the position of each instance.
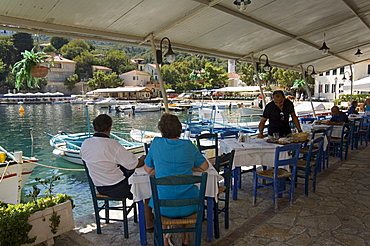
(102, 123)
(170, 126)
(278, 92)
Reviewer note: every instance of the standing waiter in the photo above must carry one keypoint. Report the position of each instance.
(278, 112)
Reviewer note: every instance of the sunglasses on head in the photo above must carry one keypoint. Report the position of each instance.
(282, 116)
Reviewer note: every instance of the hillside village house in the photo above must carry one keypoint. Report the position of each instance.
(329, 85)
(96, 68)
(62, 68)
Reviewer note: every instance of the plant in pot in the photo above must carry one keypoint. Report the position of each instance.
(30, 68)
(39, 220)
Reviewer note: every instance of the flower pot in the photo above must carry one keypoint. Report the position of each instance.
(41, 223)
(39, 71)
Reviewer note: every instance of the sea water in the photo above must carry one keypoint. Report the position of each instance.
(44, 119)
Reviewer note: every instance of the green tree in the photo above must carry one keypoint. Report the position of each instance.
(22, 42)
(75, 48)
(285, 78)
(84, 62)
(49, 49)
(103, 80)
(118, 61)
(58, 42)
(71, 82)
(215, 76)
(248, 74)
(7, 51)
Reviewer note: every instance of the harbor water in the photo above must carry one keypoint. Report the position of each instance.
(46, 119)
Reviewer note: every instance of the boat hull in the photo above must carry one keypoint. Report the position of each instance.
(9, 183)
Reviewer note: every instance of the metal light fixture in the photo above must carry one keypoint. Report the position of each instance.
(358, 53)
(344, 79)
(266, 67)
(242, 4)
(313, 73)
(324, 48)
(170, 55)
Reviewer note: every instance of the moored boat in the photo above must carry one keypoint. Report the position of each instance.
(9, 178)
(68, 146)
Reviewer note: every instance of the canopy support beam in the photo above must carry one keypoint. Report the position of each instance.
(308, 90)
(161, 83)
(258, 80)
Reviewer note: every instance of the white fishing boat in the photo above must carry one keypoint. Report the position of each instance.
(143, 136)
(10, 182)
(106, 102)
(138, 108)
(68, 146)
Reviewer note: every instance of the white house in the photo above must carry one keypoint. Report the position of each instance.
(135, 78)
(330, 84)
(152, 70)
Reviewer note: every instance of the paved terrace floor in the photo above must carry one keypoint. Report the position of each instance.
(337, 214)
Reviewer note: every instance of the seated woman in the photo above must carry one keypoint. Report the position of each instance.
(352, 109)
(169, 156)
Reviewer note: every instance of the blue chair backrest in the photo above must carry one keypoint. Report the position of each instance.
(91, 183)
(291, 160)
(307, 120)
(213, 137)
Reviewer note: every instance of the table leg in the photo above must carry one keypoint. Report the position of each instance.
(142, 227)
(209, 219)
(235, 183)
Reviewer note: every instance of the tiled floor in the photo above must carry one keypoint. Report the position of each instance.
(337, 214)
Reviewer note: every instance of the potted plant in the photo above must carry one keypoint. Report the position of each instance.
(37, 221)
(30, 68)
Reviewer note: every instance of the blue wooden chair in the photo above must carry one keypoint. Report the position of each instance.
(307, 120)
(225, 163)
(97, 197)
(310, 165)
(212, 144)
(146, 147)
(195, 220)
(340, 145)
(277, 176)
(364, 131)
(357, 123)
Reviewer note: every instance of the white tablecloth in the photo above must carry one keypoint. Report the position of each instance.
(255, 152)
(140, 183)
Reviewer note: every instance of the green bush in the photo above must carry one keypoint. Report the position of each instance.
(14, 226)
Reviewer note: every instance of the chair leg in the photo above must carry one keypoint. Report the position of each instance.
(97, 217)
(291, 192)
(306, 179)
(216, 220)
(255, 182)
(125, 221)
(275, 194)
(135, 211)
(106, 208)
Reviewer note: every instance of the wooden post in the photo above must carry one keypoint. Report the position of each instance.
(259, 81)
(308, 90)
(161, 83)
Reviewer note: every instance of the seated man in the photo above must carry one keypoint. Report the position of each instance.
(338, 116)
(352, 109)
(108, 161)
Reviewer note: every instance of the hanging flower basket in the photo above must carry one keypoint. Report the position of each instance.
(39, 71)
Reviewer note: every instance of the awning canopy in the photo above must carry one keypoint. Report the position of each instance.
(359, 85)
(290, 32)
(239, 89)
(120, 89)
